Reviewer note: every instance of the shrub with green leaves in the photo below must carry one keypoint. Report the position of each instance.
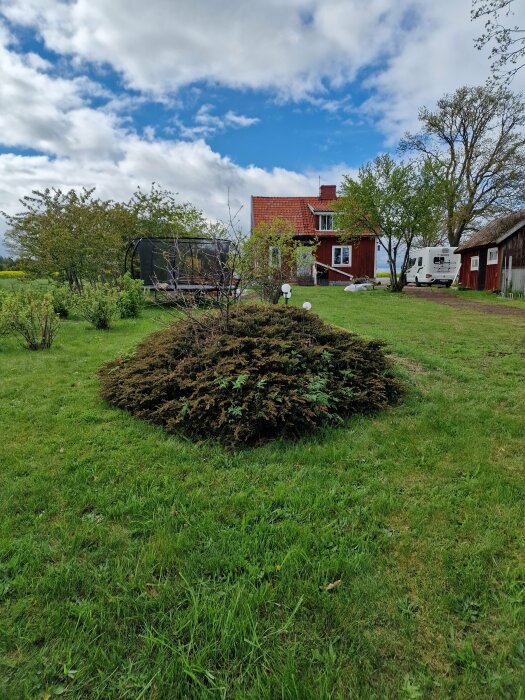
(30, 316)
(3, 320)
(62, 299)
(277, 372)
(98, 304)
(130, 299)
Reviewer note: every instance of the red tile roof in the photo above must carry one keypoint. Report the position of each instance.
(293, 209)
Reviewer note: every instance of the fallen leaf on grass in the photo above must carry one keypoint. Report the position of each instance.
(335, 584)
(151, 590)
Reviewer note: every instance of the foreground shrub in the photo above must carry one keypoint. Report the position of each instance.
(130, 299)
(98, 304)
(31, 317)
(278, 372)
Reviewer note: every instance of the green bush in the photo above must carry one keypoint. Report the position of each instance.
(4, 328)
(130, 299)
(277, 372)
(62, 299)
(30, 316)
(98, 304)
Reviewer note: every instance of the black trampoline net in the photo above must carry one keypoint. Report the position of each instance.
(178, 262)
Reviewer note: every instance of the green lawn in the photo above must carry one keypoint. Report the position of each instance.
(138, 565)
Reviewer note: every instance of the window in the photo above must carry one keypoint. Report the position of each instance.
(275, 256)
(326, 222)
(439, 260)
(420, 261)
(474, 262)
(492, 256)
(411, 262)
(342, 255)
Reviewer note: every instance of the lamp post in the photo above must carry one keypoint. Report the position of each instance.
(287, 292)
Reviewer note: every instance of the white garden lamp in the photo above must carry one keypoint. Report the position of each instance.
(307, 306)
(287, 292)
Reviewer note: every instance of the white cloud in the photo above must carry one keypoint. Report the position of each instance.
(207, 123)
(192, 169)
(438, 57)
(240, 120)
(159, 46)
(49, 114)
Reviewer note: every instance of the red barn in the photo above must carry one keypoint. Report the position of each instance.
(313, 219)
(494, 257)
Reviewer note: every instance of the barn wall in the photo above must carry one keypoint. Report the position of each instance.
(467, 277)
(362, 258)
(492, 274)
(515, 246)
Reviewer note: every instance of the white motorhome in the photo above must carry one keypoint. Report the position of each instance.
(436, 265)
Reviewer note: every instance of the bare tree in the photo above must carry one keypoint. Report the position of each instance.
(506, 39)
(204, 274)
(475, 144)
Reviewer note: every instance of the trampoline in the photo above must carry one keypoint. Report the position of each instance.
(180, 264)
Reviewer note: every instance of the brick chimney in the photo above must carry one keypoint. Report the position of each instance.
(328, 192)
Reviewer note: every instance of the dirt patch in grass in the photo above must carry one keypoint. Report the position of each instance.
(443, 296)
(412, 365)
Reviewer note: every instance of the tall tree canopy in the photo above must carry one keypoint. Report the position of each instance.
(506, 39)
(159, 213)
(396, 202)
(474, 143)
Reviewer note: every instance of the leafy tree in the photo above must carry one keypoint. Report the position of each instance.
(268, 257)
(506, 39)
(395, 202)
(159, 213)
(7, 264)
(72, 234)
(475, 146)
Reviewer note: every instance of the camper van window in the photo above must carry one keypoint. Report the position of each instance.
(474, 262)
(411, 262)
(420, 261)
(439, 260)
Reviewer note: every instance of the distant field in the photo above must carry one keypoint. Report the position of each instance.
(134, 564)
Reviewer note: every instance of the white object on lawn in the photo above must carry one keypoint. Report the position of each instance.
(363, 287)
(286, 288)
(307, 306)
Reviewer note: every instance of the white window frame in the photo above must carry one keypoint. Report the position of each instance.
(495, 260)
(326, 216)
(474, 263)
(341, 247)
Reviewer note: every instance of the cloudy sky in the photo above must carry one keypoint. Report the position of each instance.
(262, 97)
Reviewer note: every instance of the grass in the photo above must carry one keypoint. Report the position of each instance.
(134, 564)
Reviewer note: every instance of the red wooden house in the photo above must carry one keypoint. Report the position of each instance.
(313, 219)
(494, 257)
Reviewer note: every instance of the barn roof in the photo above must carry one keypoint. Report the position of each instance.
(495, 231)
